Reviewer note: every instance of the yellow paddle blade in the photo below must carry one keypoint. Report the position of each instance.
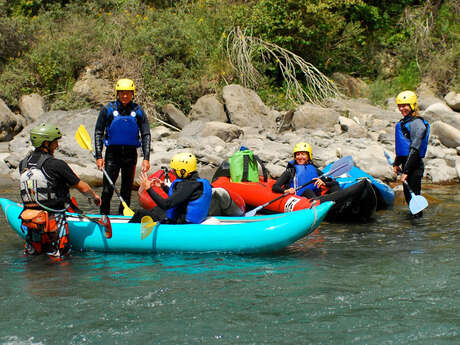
(147, 225)
(126, 210)
(83, 138)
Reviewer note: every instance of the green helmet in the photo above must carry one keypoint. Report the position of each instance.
(44, 132)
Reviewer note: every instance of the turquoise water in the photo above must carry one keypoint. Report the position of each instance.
(391, 281)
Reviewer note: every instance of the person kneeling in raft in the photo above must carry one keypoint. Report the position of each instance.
(189, 196)
(302, 170)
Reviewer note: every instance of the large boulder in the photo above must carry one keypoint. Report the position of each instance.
(313, 116)
(208, 108)
(225, 131)
(91, 87)
(10, 123)
(441, 112)
(362, 110)
(350, 86)
(32, 106)
(426, 96)
(245, 108)
(448, 135)
(453, 100)
(175, 116)
(438, 171)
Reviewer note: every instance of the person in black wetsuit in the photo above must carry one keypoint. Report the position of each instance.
(411, 142)
(302, 170)
(118, 127)
(189, 196)
(44, 187)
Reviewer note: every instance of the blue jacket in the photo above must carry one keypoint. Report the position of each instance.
(196, 210)
(406, 137)
(304, 173)
(123, 129)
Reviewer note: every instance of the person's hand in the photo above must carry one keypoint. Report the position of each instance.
(318, 182)
(289, 191)
(145, 166)
(156, 182)
(144, 181)
(403, 177)
(100, 163)
(97, 200)
(396, 169)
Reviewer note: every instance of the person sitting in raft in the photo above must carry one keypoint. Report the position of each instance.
(189, 196)
(302, 170)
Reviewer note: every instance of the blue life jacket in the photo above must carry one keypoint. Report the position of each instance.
(304, 173)
(197, 210)
(123, 129)
(402, 138)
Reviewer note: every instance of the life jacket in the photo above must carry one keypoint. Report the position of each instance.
(244, 168)
(197, 210)
(36, 187)
(402, 138)
(123, 129)
(303, 173)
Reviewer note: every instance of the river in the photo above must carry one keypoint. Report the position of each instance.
(390, 281)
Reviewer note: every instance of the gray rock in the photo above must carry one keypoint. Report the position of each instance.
(426, 96)
(453, 100)
(225, 131)
(437, 171)
(448, 135)
(174, 116)
(245, 108)
(350, 86)
(208, 108)
(10, 123)
(313, 116)
(32, 106)
(441, 112)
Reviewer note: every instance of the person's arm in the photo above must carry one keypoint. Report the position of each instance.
(282, 182)
(144, 129)
(86, 190)
(418, 132)
(99, 131)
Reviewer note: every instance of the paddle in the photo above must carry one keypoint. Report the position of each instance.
(104, 221)
(417, 203)
(147, 226)
(339, 167)
(84, 141)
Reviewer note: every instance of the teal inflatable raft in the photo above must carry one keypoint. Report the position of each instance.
(260, 234)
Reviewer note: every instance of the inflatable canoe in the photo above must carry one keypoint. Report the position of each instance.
(355, 203)
(260, 234)
(385, 195)
(223, 202)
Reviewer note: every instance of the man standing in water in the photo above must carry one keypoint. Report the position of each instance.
(44, 185)
(411, 141)
(118, 127)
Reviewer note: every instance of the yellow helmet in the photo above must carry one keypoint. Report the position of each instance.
(303, 147)
(125, 85)
(183, 163)
(407, 97)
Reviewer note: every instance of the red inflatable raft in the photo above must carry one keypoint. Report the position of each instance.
(256, 194)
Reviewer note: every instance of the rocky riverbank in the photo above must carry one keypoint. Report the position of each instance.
(219, 124)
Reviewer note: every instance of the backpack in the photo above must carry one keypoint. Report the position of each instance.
(244, 168)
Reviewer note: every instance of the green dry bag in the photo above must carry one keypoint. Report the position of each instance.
(244, 166)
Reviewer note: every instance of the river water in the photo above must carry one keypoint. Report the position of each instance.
(390, 281)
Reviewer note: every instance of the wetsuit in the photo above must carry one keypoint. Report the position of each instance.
(184, 192)
(121, 152)
(411, 136)
(284, 182)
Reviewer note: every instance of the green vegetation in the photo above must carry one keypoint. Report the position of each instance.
(176, 50)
